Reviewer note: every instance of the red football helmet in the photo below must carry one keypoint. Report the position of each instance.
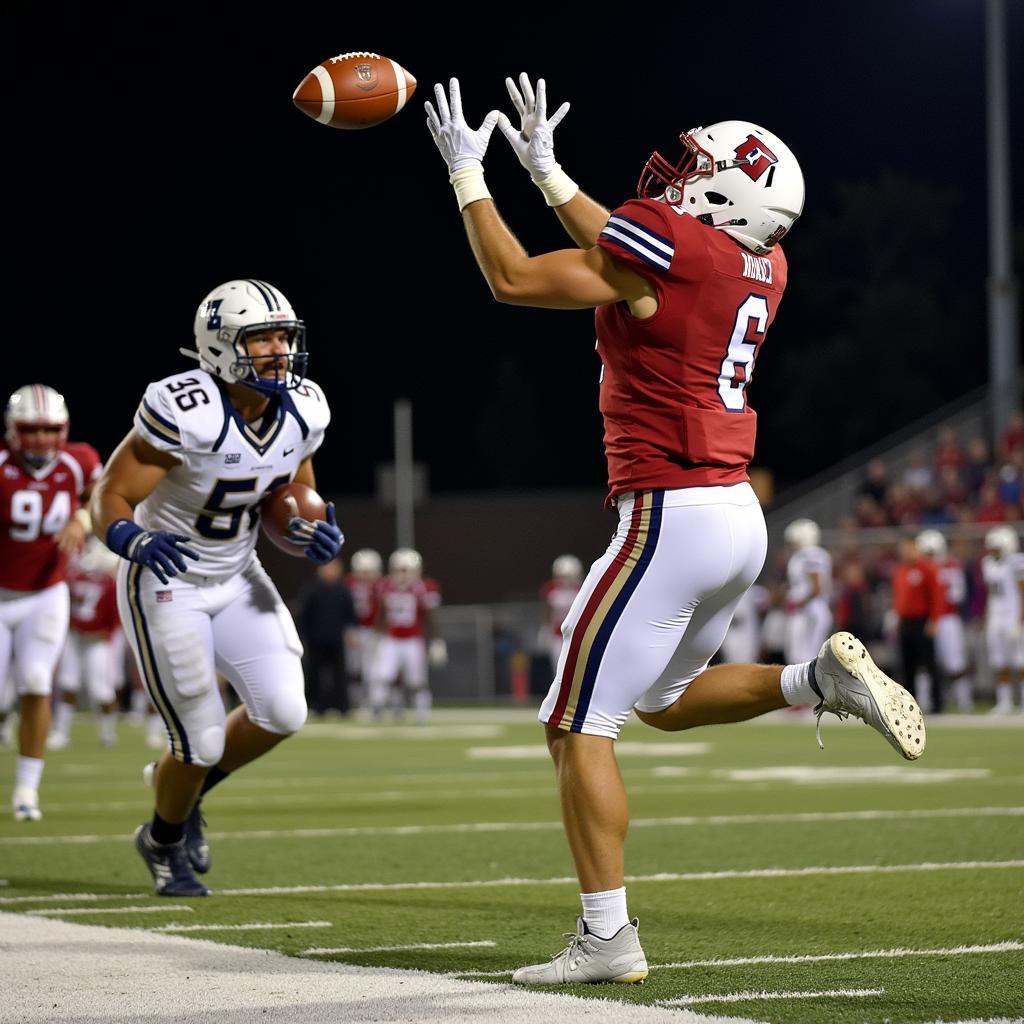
(36, 424)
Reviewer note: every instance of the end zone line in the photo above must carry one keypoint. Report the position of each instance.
(747, 997)
(323, 951)
(66, 911)
(867, 954)
(253, 926)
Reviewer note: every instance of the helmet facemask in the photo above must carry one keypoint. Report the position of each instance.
(289, 367)
(31, 409)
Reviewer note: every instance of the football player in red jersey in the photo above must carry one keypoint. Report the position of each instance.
(558, 594)
(363, 583)
(44, 479)
(686, 280)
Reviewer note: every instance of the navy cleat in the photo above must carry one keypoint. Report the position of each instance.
(169, 865)
(196, 846)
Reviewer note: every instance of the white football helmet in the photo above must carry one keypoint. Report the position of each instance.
(366, 561)
(406, 560)
(931, 543)
(803, 533)
(232, 311)
(29, 408)
(1002, 539)
(567, 567)
(734, 176)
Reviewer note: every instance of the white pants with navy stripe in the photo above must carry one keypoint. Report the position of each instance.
(183, 634)
(656, 606)
(33, 628)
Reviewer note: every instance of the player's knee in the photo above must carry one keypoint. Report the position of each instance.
(208, 746)
(37, 681)
(287, 712)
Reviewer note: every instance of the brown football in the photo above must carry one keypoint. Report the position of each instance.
(275, 513)
(354, 90)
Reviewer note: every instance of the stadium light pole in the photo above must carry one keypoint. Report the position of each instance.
(1004, 386)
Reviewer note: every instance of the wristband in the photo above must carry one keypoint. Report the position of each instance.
(469, 185)
(120, 534)
(84, 519)
(558, 187)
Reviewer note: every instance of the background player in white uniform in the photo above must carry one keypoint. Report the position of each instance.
(363, 582)
(950, 641)
(42, 478)
(809, 572)
(186, 482)
(742, 643)
(558, 594)
(1002, 569)
(94, 652)
(406, 623)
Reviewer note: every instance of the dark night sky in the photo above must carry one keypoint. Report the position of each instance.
(153, 160)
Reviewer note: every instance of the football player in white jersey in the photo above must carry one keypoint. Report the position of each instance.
(186, 483)
(1002, 568)
(809, 571)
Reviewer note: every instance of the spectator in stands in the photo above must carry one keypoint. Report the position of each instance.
(948, 452)
(918, 475)
(917, 601)
(1012, 438)
(990, 508)
(978, 464)
(935, 511)
(868, 513)
(876, 483)
(1009, 480)
(326, 613)
(955, 494)
(904, 506)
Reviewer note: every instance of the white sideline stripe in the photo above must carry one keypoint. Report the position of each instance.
(540, 826)
(319, 730)
(255, 926)
(324, 950)
(486, 883)
(326, 94)
(866, 954)
(531, 751)
(853, 776)
(67, 910)
(746, 997)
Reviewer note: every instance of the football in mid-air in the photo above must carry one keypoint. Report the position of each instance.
(354, 90)
(276, 511)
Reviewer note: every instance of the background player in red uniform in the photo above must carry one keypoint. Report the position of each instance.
(362, 582)
(94, 652)
(558, 594)
(43, 480)
(686, 281)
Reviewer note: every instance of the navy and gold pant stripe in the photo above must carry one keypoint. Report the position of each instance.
(148, 667)
(592, 631)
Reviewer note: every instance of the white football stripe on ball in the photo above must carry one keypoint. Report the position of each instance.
(400, 83)
(326, 93)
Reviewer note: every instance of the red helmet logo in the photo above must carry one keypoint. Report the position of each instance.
(756, 157)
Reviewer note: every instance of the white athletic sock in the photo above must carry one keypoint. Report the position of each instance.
(1004, 695)
(796, 684)
(62, 715)
(604, 913)
(29, 772)
(964, 692)
(106, 722)
(422, 701)
(139, 701)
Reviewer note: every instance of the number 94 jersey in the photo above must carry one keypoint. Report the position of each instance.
(673, 386)
(226, 465)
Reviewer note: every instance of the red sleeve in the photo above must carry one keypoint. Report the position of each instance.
(639, 234)
(88, 458)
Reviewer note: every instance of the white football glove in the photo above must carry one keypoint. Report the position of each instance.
(437, 652)
(533, 141)
(460, 145)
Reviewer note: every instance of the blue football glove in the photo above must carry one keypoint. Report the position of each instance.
(157, 550)
(322, 540)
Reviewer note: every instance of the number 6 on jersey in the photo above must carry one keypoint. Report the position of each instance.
(738, 364)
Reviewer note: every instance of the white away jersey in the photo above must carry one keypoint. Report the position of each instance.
(1002, 584)
(226, 465)
(801, 565)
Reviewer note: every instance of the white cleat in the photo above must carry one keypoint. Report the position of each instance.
(588, 960)
(57, 741)
(26, 804)
(852, 684)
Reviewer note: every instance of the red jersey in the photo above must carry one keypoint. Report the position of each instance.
(404, 608)
(916, 593)
(93, 601)
(34, 508)
(673, 386)
(558, 598)
(365, 599)
(952, 585)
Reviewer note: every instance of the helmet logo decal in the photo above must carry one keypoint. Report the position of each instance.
(756, 157)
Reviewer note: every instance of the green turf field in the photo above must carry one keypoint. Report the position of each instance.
(772, 880)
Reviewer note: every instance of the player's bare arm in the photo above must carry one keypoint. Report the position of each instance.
(133, 472)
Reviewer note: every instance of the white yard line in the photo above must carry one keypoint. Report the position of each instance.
(168, 908)
(863, 954)
(543, 826)
(326, 950)
(746, 997)
(255, 926)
